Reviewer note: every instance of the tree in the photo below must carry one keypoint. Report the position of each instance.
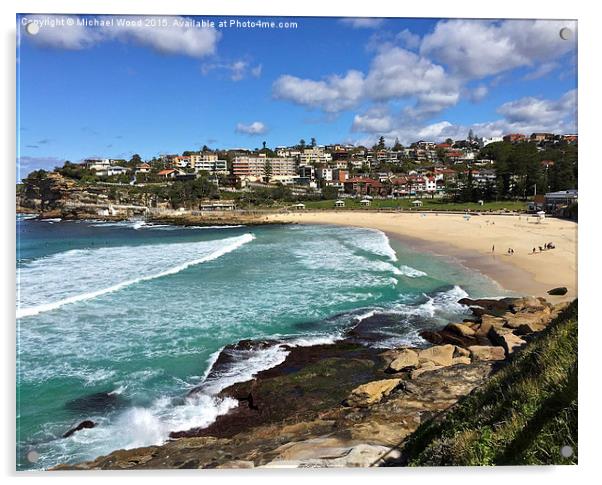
(267, 171)
(470, 135)
(397, 146)
(381, 143)
(449, 141)
(135, 160)
(302, 144)
(264, 144)
(313, 142)
(329, 192)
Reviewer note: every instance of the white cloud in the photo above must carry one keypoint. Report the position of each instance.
(479, 48)
(408, 39)
(255, 128)
(478, 93)
(173, 36)
(541, 71)
(362, 23)
(538, 110)
(237, 70)
(334, 93)
(394, 74)
(375, 120)
(525, 115)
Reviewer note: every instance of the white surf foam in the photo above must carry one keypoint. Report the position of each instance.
(77, 269)
(411, 272)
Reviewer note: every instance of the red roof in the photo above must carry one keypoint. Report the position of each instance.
(167, 171)
(364, 180)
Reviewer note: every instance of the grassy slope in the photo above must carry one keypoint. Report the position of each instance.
(428, 204)
(522, 416)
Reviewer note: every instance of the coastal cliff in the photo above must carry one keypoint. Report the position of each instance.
(488, 391)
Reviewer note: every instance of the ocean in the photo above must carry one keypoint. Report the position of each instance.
(117, 322)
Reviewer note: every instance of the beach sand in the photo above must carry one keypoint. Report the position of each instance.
(471, 242)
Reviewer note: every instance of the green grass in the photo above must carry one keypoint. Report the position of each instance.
(428, 204)
(524, 415)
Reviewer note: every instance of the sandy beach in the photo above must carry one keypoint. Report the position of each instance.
(480, 243)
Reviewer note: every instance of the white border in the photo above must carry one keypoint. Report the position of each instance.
(590, 167)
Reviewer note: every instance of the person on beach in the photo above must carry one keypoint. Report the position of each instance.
(533, 251)
(493, 248)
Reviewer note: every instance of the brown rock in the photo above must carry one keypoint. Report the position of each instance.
(426, 367)
(371, 392)
(527, 328)
(505, 338)
(492, 321)
(461, 352)
(486, 353)
(407, 358)
(461, 360)
(527, 304)
(460, 329)
(438, 354)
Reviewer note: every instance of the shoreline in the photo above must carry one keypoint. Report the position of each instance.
(345, 404)
(470, 243)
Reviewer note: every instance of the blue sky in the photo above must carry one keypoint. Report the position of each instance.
(117, 90)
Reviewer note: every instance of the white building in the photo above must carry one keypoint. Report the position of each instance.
(493, 139)
(314, 155)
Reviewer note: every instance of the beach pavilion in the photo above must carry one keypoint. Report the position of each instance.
(365, 202)
(339, 203)
(417, 203)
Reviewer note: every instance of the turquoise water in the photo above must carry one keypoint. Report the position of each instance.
(136, 314)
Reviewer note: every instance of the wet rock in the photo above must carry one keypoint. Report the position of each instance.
(447, 337)
(480, 353)
(94, 403)
(488, 306)
(406, 359)
(87, 424)
(371, 392)
(560, 291)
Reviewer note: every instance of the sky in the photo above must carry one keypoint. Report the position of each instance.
(157, 85)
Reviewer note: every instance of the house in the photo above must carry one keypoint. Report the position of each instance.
(556, 201)
(170, 173)
(514, 138)
(143, 168)
(363, 186)
(541, 137)
(110, 171)
(97, 164)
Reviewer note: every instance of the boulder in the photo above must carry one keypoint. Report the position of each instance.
(461, 360)
(460, 329)
(406, 359)
(515, 320)
(445, 336)
(461, 352)
(560, 291)
(488, 305)
(527, 304)
(527, 328)
(492, 321)
(505, 338)
(371, 392)
(486, 353)
(438, 354)
(426, 367)
(87, 424)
